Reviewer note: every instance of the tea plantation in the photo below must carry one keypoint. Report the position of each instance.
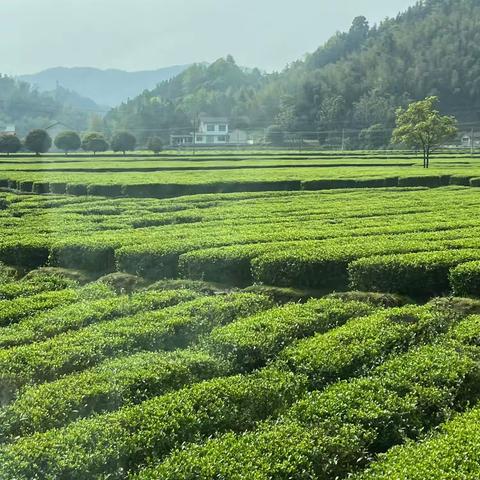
(240, 316)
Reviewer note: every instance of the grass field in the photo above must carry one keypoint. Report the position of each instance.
(245, 317)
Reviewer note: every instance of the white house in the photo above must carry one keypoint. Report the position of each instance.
(211, 131)
(10, 130)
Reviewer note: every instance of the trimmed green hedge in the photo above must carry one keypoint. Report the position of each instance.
(475, 182)
(303, 269)
(76, 189)
(251, 342)
(333, 433)
(451, 453)
(107, 387)
(364, 343)
(228, 266)
(170, 328)
(111, 190)
(465, 279)
(416, 274)
(79, 315)
(24, 253)
(110, 445)
(41, 187)
(94, 257)
(424, 181)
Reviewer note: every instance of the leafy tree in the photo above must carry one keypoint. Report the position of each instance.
(10, 144)
(422, 126)
(275, 135)
(123, 141)
(68, 141)
(155, 144)
(38, 141)
(94, 142)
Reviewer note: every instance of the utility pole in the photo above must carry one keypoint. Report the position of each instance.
(194, 132)
(472, 142)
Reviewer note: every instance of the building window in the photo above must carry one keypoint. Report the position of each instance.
(199, 138)
(222, 128)
(210, 128)
(221, 138)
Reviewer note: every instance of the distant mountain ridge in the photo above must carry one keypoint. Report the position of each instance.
(105, 87)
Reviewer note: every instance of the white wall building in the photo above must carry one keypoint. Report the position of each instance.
(212, 131)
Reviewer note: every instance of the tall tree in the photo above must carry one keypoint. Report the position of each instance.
(123, 141)
(422, 126)
(38, 141)
(68, 141)
(94, 142)
(9, 144)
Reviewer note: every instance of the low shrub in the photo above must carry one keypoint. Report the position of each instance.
(110, 445)
(418, 274)
(93, 257)
(251, 342)
(59, 188)
(475, 182)
(452, 452)
(333, 433)
(76, 189)
(107, 387)
(109, 190)
(41, 187)
(364, 343)
(169, 329)
(465, 279)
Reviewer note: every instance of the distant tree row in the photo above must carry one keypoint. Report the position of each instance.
(39, 141)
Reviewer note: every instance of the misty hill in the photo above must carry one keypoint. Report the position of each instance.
(105, 87)
(27, 108)
(355, 80)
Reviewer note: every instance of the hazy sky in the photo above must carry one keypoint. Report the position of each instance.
(148, 34)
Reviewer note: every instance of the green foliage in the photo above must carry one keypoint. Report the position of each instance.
(421, 126)
(169, 329)
(332, 433)
(450, 453)
(109, 386)
(364, 343)
(94, 142)
(416, 274)
(112, 444)
(9, 144)
(155, 144)
(38, 141)
(465, 279)
(68, 141)
(250, 343)
(123, 141)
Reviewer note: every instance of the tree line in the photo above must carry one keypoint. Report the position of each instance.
(355, 81)
(39, 141)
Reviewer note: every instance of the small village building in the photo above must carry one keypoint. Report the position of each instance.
(10, 130)
(211, 131)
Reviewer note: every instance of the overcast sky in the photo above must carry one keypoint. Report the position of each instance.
(148, 34)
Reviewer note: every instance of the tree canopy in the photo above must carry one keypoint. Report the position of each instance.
(68, 141)
(9, 144)
(94, 142)
(422, 126)
(38, 141)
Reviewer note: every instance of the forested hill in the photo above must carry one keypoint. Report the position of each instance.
(26, 108)
(356, 80)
